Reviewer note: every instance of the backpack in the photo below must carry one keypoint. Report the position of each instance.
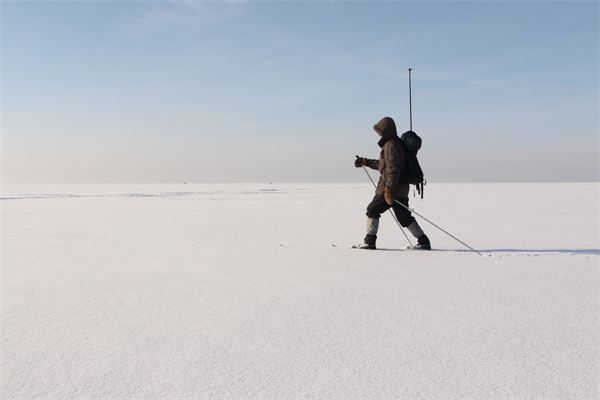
(413, 174)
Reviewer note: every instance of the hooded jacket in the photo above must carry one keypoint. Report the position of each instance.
(391, 163)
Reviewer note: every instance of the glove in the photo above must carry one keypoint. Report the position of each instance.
(387, 196)
(360, 161)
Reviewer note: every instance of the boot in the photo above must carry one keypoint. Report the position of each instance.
(368, 243)
(371, 238)
(423, 243)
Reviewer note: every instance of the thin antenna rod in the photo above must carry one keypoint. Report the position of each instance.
(410, 96)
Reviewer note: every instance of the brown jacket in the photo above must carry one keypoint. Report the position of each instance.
(391, 161)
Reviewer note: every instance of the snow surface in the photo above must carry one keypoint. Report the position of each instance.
(235, 291)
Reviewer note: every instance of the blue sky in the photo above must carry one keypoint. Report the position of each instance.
(177, 91)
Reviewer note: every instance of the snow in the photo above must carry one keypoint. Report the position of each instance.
(235, 291)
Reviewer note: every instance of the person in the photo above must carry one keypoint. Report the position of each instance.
(391, 165)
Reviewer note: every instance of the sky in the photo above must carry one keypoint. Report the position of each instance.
(288, 91)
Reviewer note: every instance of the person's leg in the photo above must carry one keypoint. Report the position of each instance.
(376, 207)
(409, 222)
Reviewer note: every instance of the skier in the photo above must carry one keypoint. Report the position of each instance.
(391, 165)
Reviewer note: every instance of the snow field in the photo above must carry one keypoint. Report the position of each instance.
(235, 291)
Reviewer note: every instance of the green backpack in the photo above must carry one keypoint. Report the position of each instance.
(413, 174)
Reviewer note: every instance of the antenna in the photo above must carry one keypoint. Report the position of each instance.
(410, 96)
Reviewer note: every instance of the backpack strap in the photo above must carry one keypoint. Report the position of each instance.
(421, 188)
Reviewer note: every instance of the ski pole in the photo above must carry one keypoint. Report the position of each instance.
(393, 215)
(440, 228)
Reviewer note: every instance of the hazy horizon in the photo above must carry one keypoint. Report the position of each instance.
(227, 183)
(257, 92)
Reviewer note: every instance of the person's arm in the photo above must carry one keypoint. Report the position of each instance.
(367, 162)
(373, 164)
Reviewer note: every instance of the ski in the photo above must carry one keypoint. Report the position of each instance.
(357, 247)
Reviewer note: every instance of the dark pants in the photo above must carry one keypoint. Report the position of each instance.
(378, 206)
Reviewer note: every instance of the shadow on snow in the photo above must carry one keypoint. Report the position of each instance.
(509, 250)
